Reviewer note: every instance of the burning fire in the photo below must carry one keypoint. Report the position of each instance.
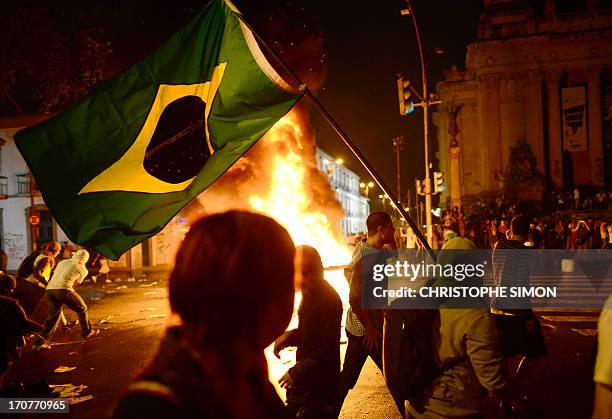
(279, 177)
(289, 203)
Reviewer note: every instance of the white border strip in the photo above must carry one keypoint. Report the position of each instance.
(260, 58)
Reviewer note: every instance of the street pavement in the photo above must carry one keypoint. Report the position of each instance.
(132, 316)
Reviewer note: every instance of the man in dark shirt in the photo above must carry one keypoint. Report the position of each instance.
(519, 330)
(312, 384)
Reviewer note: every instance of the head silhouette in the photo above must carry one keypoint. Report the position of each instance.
(308, 269)
(233, 280)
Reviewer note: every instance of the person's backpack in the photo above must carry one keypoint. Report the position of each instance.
(409, 366)
(408, 361)
(27, 265)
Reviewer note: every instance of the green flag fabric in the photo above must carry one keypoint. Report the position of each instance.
(115, 167)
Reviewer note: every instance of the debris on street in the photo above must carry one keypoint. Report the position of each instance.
(62, 369)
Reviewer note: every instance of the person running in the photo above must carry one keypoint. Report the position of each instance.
(312, 384)
(60, 291)
(364, 327)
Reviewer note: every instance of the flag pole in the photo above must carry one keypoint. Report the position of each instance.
(342, 134)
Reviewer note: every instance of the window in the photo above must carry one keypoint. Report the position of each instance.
(3, 187)
(23, 184)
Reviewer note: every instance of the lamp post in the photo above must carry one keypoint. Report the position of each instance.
(384, 198)
(426, 101)
(33, 219)
(366, 187)
(398, 144)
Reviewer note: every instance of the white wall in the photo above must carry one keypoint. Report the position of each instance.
(14, 218)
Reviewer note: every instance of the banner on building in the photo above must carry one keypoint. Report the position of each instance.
(574, 118)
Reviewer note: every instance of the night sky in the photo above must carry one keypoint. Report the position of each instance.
(366, 47)
(365, 44)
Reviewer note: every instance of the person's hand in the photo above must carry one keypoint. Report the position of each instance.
(371, 337)
(280, 343)
(286, 381)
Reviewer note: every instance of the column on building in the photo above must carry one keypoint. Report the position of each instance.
(555, 146)
(490, 122)
(534, 110)
(593, 76)
(454, 153)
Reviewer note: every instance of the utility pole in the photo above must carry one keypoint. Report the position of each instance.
(398, 144)
(406, 106)
(33, 219)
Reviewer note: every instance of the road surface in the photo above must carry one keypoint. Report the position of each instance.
(133, 315)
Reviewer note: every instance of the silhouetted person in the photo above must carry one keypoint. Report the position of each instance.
(44, 264)
(465, 348)
(14, 326)
(33, 274)
(364, 327)
(520, 334)
(232, 287)
(312, 384)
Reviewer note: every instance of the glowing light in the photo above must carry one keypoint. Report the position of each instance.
(289, 203)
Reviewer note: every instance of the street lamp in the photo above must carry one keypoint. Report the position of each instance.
(366, 187)
(384, 198)
(398, 144)
(426, 101)
(330, 166)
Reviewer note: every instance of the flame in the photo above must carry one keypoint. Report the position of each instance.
(279, 177)
(289, 203)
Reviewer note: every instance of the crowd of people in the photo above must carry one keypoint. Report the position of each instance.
(33, 300)
(212, 365)
(485, 223)
(233, 287)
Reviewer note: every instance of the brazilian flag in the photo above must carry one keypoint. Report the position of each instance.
(116, 166)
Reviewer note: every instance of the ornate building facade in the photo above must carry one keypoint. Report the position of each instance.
(531, 109)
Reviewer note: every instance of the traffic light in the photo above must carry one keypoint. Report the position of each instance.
(403, 90)
(439, 182)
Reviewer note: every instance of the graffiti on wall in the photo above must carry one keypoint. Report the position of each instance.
(163, 247)
(15, 246)
(167, 241)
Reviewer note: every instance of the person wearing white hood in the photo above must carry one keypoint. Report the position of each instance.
(60, 290)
